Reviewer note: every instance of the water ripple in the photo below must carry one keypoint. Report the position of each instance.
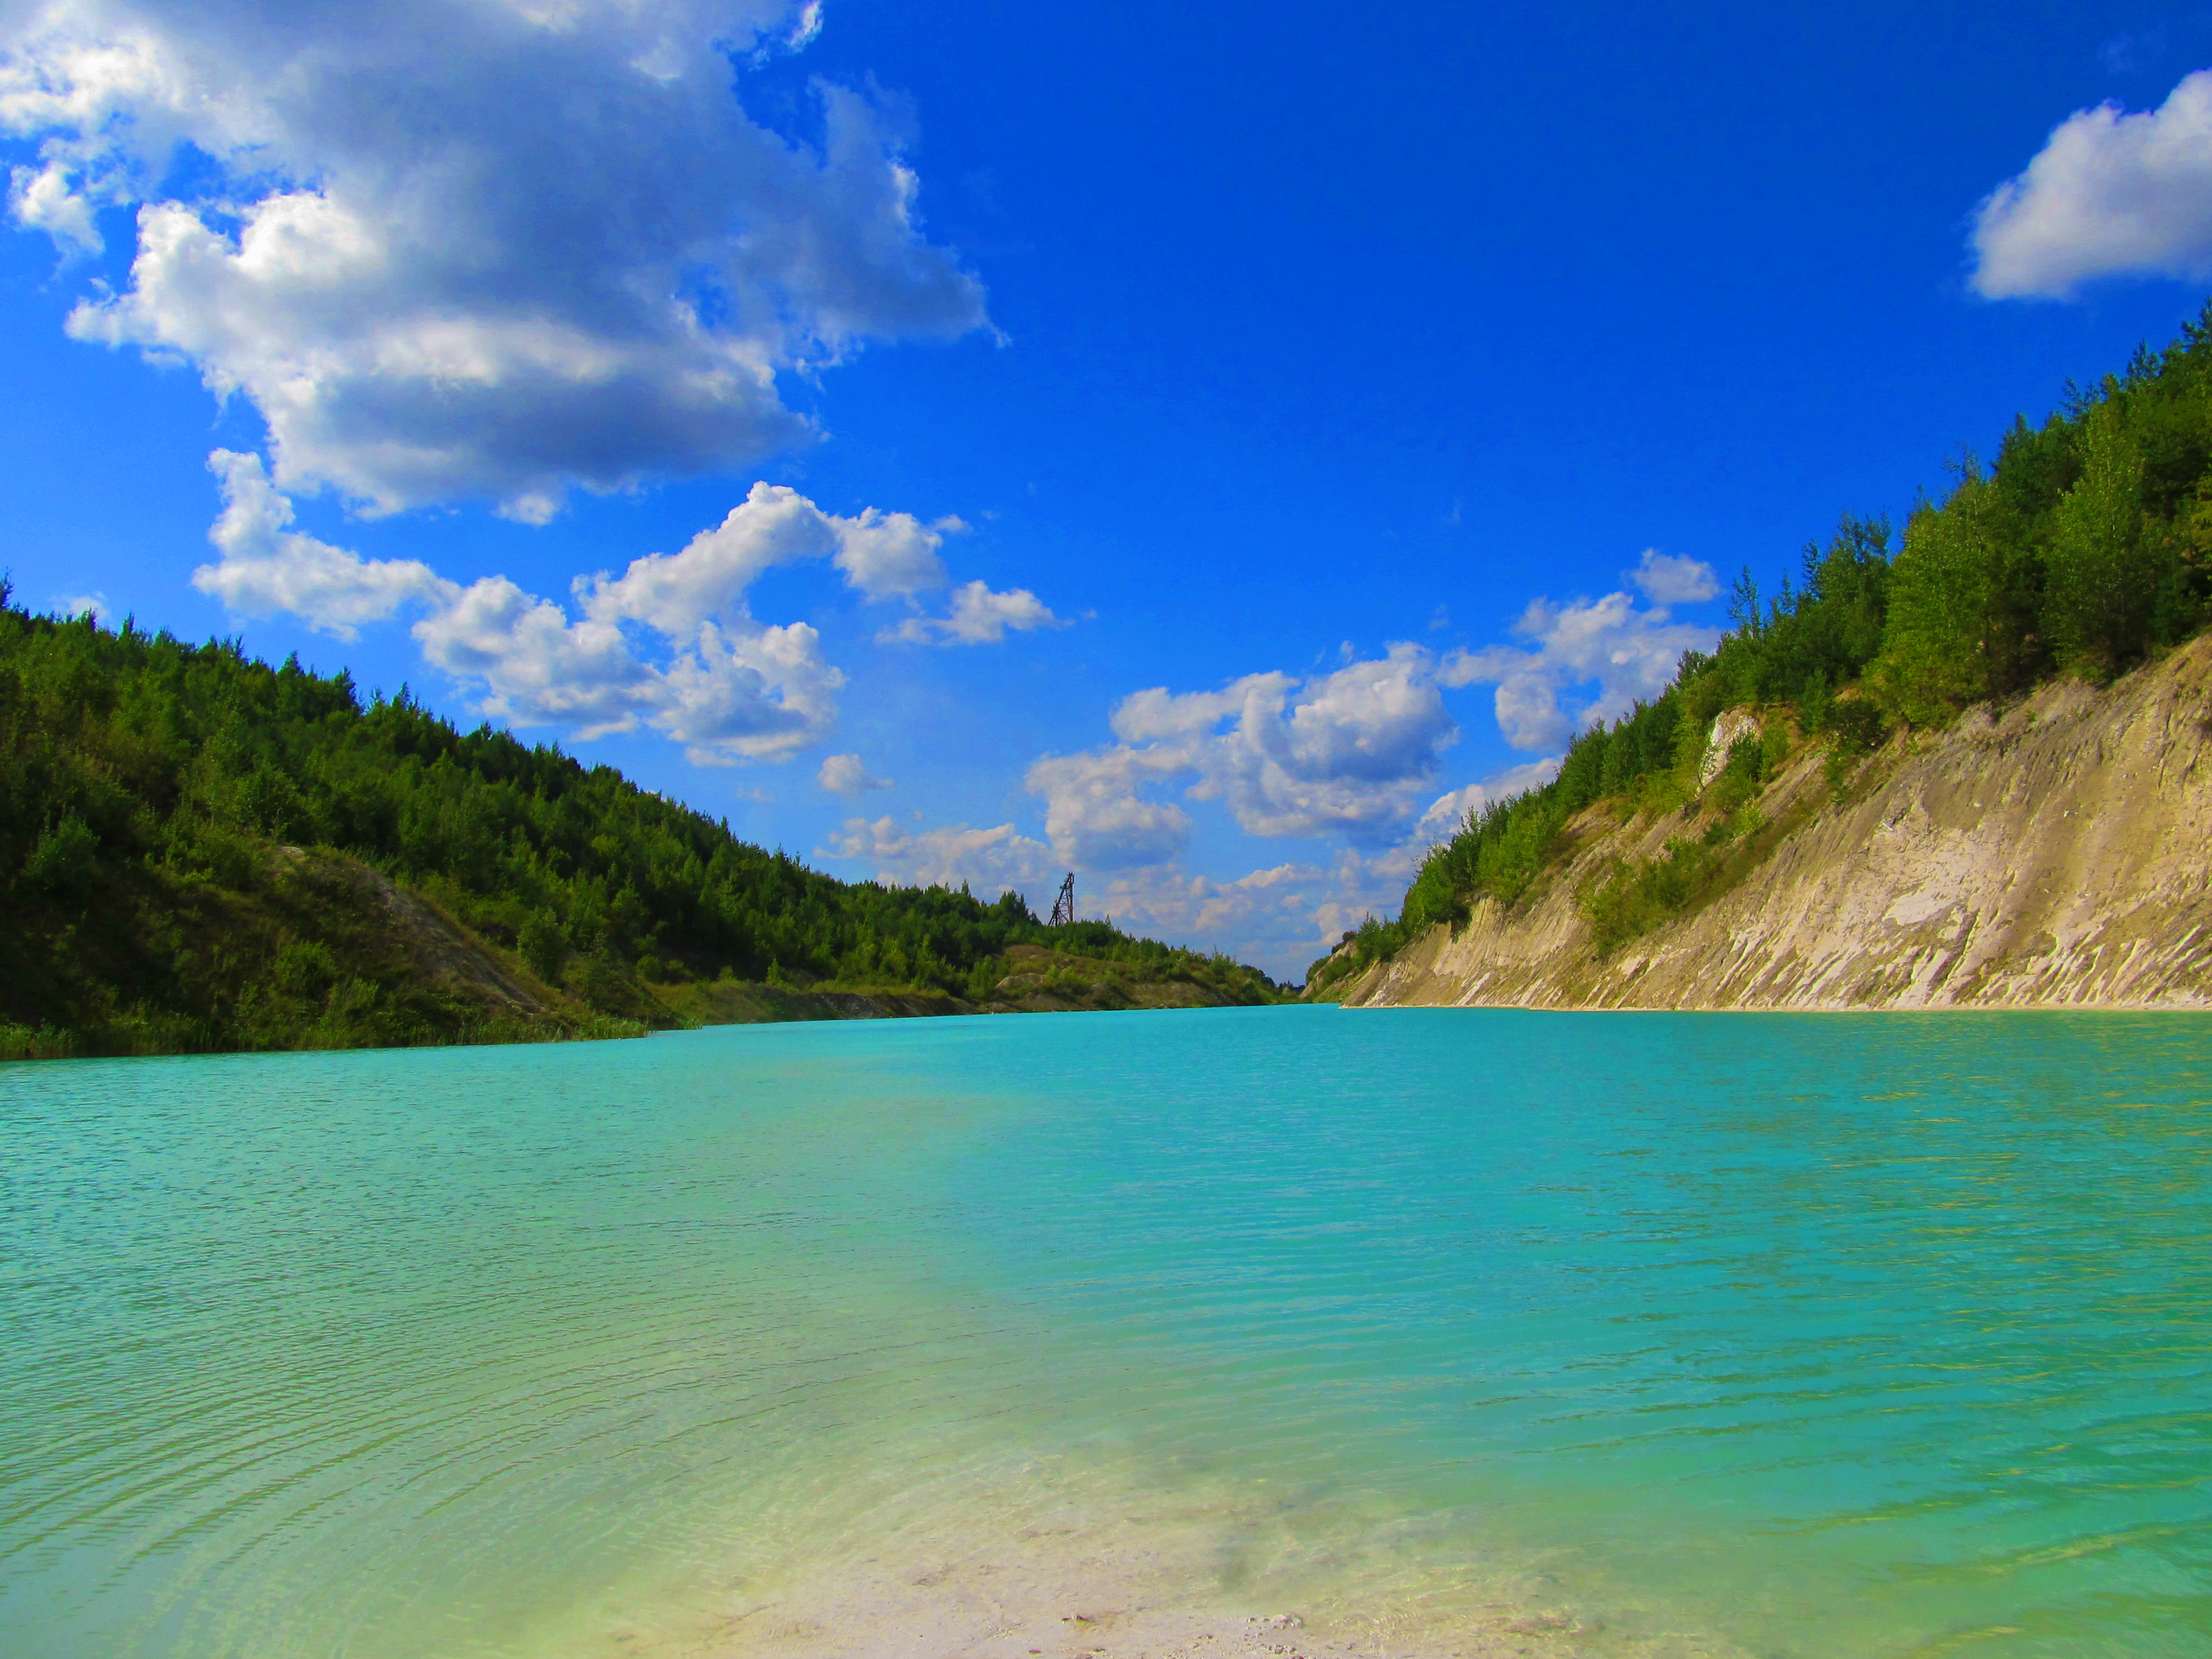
(1837, 1337)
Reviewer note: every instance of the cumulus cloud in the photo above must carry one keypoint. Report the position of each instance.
(1279, 918)
(1274, 917)
(268, 568)
(675, 593)
(1095, 816)
(978, 616)
(481, 248)
(731, 687)
(981, 615)
(41, 198)
(1587, 661)
(1671, 579)
(729, 691)
(844, 775)
(990, 861)
(893, 555)
(2109, 194)
(884, 555)
(532, 666)
(749, 691)
(1348, 751)
(671, 643)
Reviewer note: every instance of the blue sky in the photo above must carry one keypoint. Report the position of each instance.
(1207, 450)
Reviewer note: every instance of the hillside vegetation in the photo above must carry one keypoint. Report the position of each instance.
(2046, 853)
(2084, 549)
(199, 851)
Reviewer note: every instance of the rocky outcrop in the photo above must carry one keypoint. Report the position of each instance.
(2054, 854)
(1730, 728)
(444, 952)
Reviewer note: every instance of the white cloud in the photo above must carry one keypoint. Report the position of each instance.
(1279, 918)
(42, 200)
(534, 666)
(747, 690)
(1096, 817)
(1129, 850)
(1607, 647)
(844, 775)
(730, 691)
(1673, 579)
(978, 617)
(497, 249)
(268, 568)
(675, 593)
(884, 555)
(990, 861)
(803, 28)
(1282, 911)
(731, 687)
(1349, 752)
(81, 605)
(893, 555)
(2109, 194)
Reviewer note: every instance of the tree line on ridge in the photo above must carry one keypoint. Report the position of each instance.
(150, 790)
(2086, 548)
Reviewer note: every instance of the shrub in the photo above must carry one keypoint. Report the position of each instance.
(66, 859)
(543, 946)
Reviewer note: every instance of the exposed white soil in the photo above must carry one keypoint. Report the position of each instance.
(2050, 856)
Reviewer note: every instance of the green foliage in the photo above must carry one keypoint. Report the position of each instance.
(1638, 895)
(2086, 548)
(1962, 605)
(2106, 575)
(155, 796)
(543, 946)
(1809, 641)
(1742, 776)
(65, 860)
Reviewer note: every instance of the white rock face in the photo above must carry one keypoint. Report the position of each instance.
(2056, 857)
(1728, 726)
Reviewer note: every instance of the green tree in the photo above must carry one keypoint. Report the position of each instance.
(1960, 623)
(66, 859)
(2106, 573)
(543, 945)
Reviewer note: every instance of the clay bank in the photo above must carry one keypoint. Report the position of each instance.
(2049, 855)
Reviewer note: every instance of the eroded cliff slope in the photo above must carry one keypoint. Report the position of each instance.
(2054, 854)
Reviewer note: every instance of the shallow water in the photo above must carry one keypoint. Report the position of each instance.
(1828, 1337)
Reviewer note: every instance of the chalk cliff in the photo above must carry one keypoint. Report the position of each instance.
(2052, 855)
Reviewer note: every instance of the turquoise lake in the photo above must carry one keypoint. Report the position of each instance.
(1825, 1337)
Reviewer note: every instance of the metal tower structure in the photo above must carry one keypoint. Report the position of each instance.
(1063, 908)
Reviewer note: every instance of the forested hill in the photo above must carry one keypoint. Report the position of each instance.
(200, 852)
(2084, 551)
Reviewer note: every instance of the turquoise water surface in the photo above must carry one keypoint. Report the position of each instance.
(1833, 1337)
